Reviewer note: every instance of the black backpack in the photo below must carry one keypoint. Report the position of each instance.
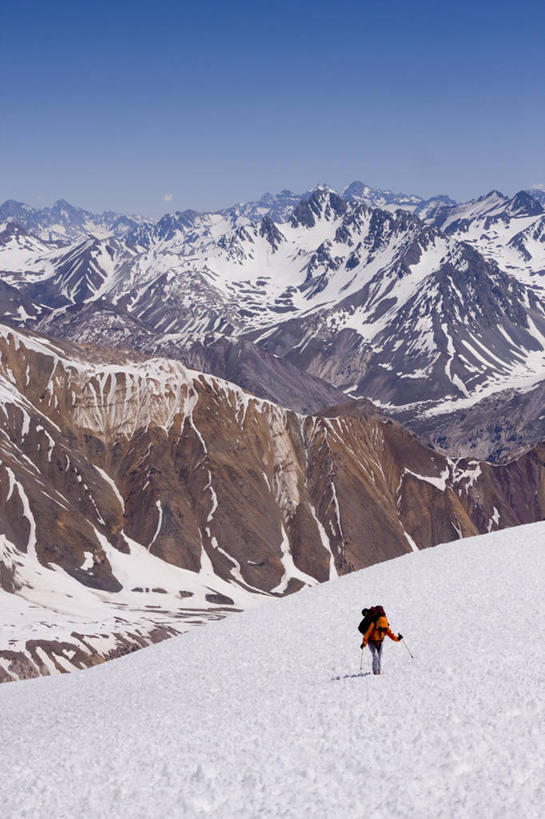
(370, 616)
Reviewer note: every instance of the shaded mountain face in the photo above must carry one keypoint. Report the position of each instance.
(138, 497)
(15, 306)
(497, 428)
(257, 371)
(82, 273)
(537, 192)
(232, 358)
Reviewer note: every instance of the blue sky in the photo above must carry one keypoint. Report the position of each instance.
(119, 105)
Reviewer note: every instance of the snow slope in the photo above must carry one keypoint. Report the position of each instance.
(266, 713)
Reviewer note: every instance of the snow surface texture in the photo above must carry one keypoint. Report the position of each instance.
(267, 714)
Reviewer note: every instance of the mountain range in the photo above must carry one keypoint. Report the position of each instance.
(63, 222)
(213, 409)
(424, 307)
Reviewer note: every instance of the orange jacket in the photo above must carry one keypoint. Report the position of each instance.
(377, 631)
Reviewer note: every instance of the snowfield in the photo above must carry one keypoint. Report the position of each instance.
(266, 713)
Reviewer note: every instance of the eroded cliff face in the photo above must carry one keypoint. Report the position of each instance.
(138, 497)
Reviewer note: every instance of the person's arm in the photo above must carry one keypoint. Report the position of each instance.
(367, 635)
(395, 637)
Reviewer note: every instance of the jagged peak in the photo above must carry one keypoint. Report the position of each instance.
(493, 194)
(62, 204)
(523, 203)
(357, 188)
(302, 215)
(323, 188)
(323, 198)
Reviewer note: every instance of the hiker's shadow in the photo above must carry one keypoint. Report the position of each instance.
(351, 676)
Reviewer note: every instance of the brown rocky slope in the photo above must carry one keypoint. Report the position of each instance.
(138, 497)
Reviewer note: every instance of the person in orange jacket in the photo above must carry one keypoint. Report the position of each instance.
(375, 634)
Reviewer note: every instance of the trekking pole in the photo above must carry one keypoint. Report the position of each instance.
(361, 661)
(407, 647)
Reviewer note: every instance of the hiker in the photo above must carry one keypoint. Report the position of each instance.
(374, 627)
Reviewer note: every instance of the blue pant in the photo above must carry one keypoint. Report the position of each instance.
(376, 651)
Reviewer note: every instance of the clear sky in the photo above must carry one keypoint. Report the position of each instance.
(154, 106)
